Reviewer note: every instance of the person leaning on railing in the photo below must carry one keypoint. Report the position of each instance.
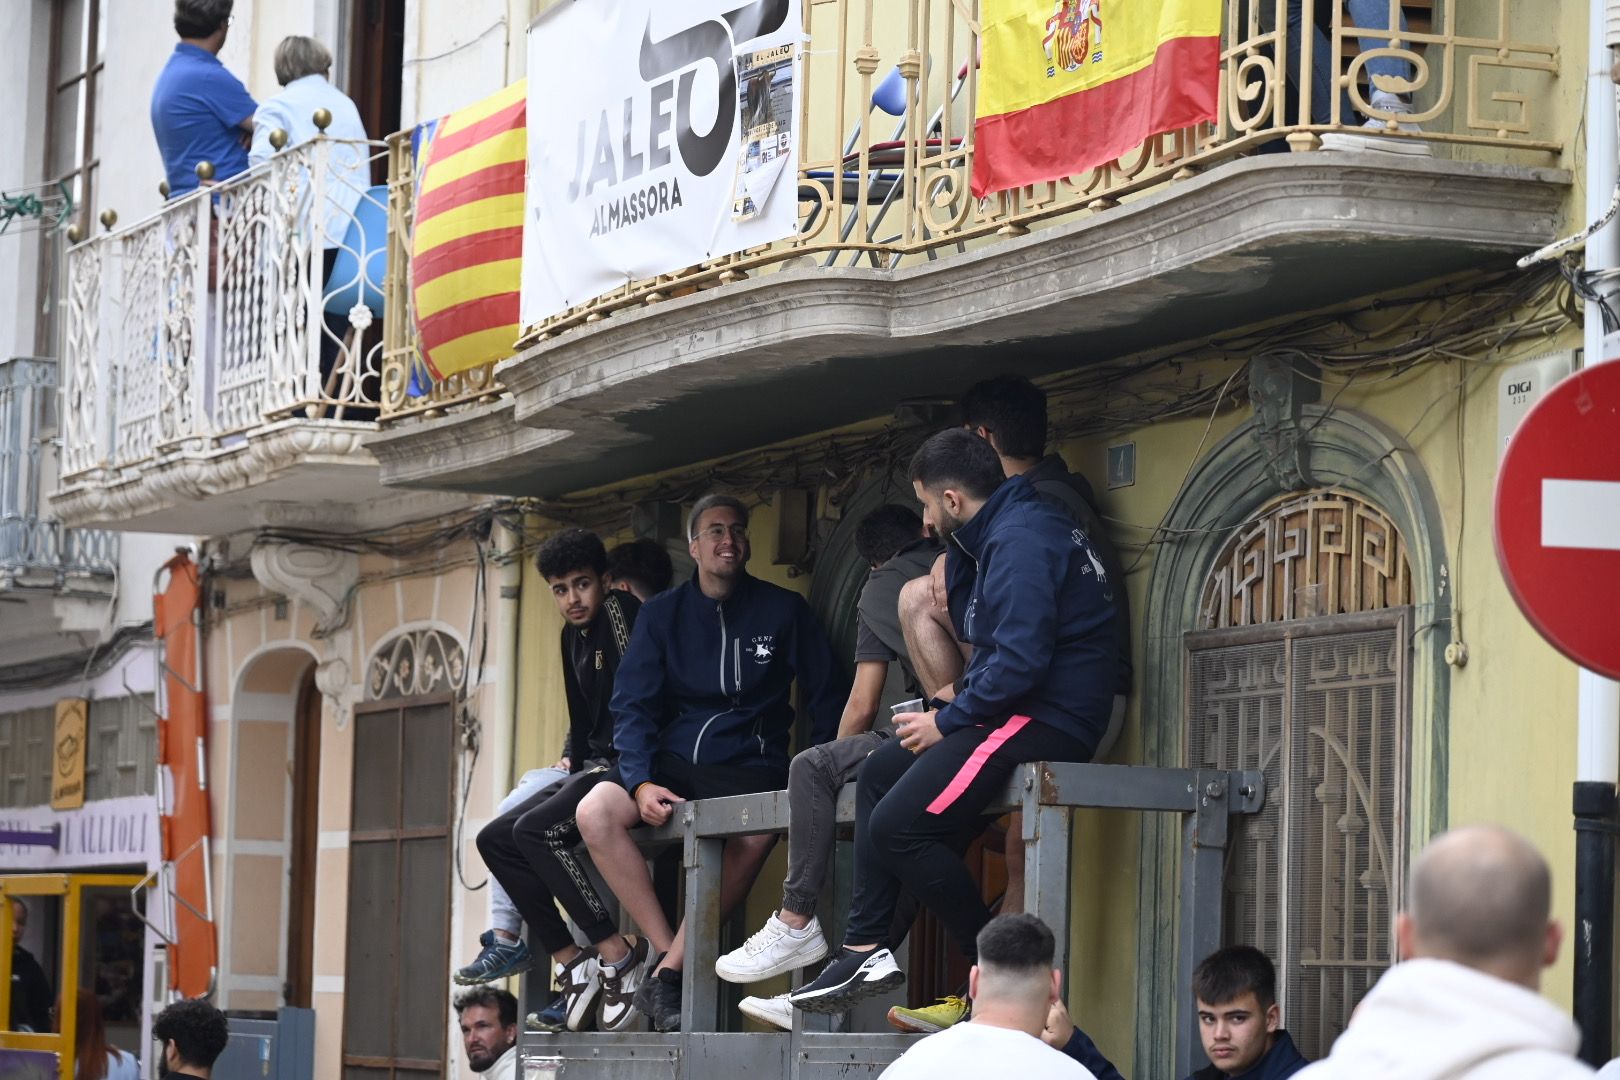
(302, 64)
(200, 111)
(1367, 15)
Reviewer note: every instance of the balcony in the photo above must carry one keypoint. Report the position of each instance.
(900, 284)
(222, 358)
(54, 580)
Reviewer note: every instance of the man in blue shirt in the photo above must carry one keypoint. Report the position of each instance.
(200, 111)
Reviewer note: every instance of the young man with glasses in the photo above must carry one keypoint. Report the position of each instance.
(702, 709)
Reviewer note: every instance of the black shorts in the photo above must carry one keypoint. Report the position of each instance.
(691, 781)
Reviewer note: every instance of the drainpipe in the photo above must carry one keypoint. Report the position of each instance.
(509, 558)
(1597, 767)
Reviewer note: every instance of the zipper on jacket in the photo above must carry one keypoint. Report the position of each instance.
(721, 611)
(704, 730)
(736, 669)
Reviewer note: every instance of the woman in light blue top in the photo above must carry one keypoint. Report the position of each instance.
(302, 64)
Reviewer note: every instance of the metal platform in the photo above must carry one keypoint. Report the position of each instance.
(829, 1048)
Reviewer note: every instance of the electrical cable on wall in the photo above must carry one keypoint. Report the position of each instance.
(470, 730)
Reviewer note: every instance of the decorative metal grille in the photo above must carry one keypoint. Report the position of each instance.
(1308, 556)
(1320, 705)
(416, 662)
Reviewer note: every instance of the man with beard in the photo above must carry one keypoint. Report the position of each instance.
(702, 709)
(489, 1031)
(193, 1034)
(1024, 587)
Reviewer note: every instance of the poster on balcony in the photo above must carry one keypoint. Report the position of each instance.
(1068, 85)
(662, 134)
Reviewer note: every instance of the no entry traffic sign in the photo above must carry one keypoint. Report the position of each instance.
(1558, 517)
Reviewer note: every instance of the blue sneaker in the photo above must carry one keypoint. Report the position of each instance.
(553, 1018)
(495, 961)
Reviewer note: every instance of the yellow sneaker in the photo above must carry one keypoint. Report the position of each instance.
(931, 1018)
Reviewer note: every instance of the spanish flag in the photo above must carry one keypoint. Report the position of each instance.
(467, 248)
(1067, 85)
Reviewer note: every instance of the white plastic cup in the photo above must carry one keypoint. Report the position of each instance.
(916, 704)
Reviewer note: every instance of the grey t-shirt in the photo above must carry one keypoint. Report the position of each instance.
(877, 631)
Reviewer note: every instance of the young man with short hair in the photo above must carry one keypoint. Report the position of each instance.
(200, 111)
(1012, 986)
(641, 567)
(896, 548)
(1009, 412)
(488, 1020)
(703, 710)
(193, 1034)
(1026, 590)
(529, 848)
(1235, 991)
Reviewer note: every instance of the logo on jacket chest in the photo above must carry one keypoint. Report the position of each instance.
(762, 648)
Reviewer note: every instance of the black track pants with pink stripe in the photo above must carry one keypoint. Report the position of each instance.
(912, 808)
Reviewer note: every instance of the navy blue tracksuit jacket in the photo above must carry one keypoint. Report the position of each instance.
(710, 681)
(1026, 589)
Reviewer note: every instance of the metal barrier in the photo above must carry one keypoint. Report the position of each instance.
(1046, 793)
(887, 189)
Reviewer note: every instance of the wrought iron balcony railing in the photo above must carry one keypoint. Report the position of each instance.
(245, 306)
(885, 186)
(37, 552)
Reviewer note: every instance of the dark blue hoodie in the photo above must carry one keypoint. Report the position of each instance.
(1026, 590)
(1280, 1062)
(710, 681)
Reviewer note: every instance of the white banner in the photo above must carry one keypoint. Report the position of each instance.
(106, 832)
(661, 134)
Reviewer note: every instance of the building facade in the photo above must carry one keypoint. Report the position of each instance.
(1279, 356)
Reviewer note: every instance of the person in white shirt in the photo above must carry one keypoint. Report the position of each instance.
(1465, 1001)
(1012, 987)
(489, 1031)
(302, 64)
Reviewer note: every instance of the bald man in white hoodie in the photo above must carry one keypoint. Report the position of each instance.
(1465, 1001)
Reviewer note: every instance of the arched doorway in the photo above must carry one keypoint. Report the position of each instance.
(1299, 670)
(1301, 572)
(267, 934)
(395, 994)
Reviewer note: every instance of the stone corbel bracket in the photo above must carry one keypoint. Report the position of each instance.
(326, 581)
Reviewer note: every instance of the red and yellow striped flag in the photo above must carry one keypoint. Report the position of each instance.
(467, 250)
(1067, 85)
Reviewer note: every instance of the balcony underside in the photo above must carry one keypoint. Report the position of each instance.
(804, 349)
(306, 474)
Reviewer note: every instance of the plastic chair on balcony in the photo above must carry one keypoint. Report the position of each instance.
(354, 279)
(885, 159)
(888, 97)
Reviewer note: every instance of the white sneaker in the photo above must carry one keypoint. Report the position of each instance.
(581, 984)
(619, 985)
(773, 1011)
(775, 949)
(1374, 135)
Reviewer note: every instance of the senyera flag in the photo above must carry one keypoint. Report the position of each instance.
(1068, 85)
(467, 247)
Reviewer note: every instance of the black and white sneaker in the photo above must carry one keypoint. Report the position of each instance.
(849, 977)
